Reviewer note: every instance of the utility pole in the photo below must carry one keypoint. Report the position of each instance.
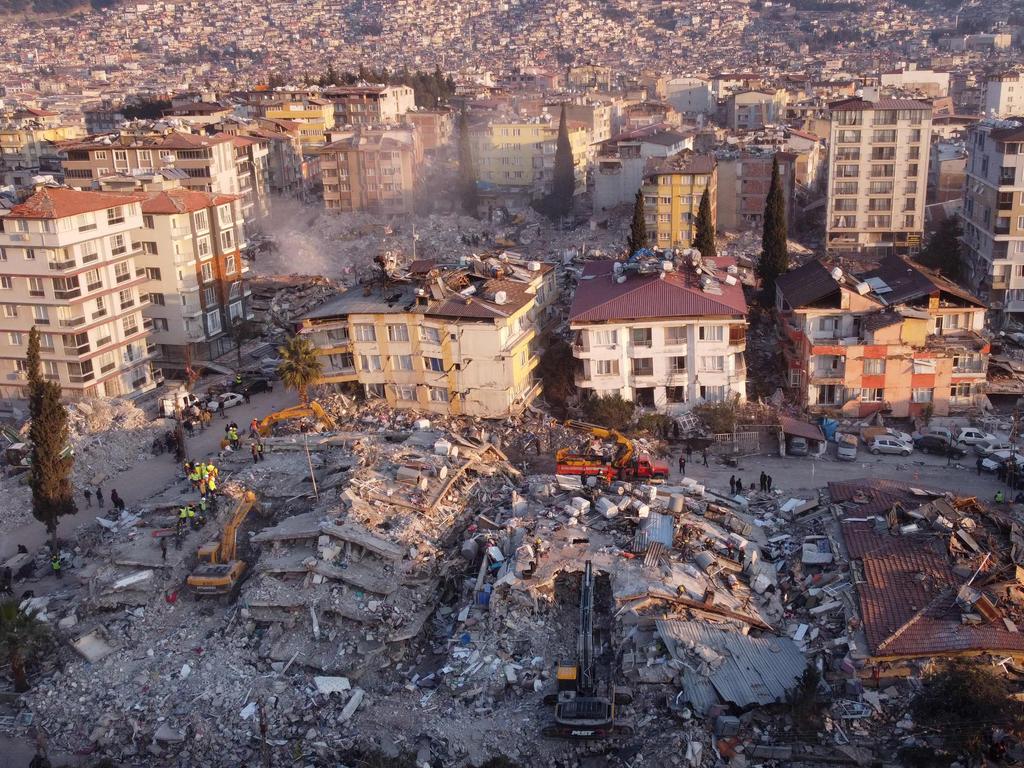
(264, 746)
(309, 461)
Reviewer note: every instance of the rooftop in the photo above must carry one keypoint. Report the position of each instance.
(62, 202)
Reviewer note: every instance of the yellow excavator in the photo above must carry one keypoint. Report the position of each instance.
(625, 464)
(219, 571)
(313, 410)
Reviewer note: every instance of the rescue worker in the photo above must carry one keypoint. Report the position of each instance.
(238, 380)
(192, 517)
(254, 428)
(259, 447)
(1000, 496)
(55, 564)
(233, 437)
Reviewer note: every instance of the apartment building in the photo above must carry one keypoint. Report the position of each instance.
(992, 216)
(743, 182)
(28, 149)
(672, 190)
(691, 96)
(446, 340)
(434, 127)
(659, 333)
(371, 169)
(314, 115)
(252, 153)
(521, 153)
(947, 171)
(621, 161)
(368, 104)
(753, 110)
(897, 339)
(878, 173)
(925, 82)
(1004, 95)
(69, 265)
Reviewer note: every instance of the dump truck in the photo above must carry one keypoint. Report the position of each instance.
(624, 463)
(582, 711)
(220, 570)
(313, 410)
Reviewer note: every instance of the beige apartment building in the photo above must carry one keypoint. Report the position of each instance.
(672, 189)
(371, 169)
(28, 149)
(69, 265)
(369, 104)
(993, 214)
(878, 174)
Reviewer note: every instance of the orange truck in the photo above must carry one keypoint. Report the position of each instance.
(624, 463)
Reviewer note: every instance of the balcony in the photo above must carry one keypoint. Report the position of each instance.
(72, 322)
(737, 335)
(61, 265)
(828, 375)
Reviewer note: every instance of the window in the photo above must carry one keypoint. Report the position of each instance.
(153, 273)
(712, 394)
(923, 395)
(115, 215)
(643, 366)
(677, 364)
(430, 335)
(130, 325)
(50, 369)
(401, 362)
(6, 283)
(370, 363)
(405, 392)
(960, 391)
(209, 296)
(93, 281)
(46, 340)
(711, 332)
(606, 367)
(605, 338)
(3, 254)
(227, 240)
(202, 221)
(30, 254)
(41, 314)
(641, 337)
(125, 298)
(433, 364)
(118, 245)
(398, 332)
(10, 310)
(438, 395)
(213, 322)
(365, 332)
(148, 222)
(207, 272)
(14, 338)
(375, 390)
(157, 299)
(874, 366)
(875, 395)
(203, 247)
(229, 265)
(712, 363)
(675, 335)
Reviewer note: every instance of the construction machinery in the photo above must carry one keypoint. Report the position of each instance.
(581, 711)
(312, 410)
(625, 463)
(220, 570)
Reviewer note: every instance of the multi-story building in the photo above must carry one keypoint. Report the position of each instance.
(521, 153)
(371, 169)
(691, 96)
(659, 333)
(445, 340)
(878, 173)
(753, 110)
(993, 214)
(672, 190)
(925, 82)
(947, 167)
(69, 265)
(315, 116)
(369, 104)
(1004, 95)
(434, 127)
(896, 339)
(621, 162)
(743, 183)
(28, 149)
(251, 168)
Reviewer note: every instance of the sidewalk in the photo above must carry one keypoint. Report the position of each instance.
(152, 475)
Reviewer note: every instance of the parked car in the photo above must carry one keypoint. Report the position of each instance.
(846, 447)
(986, 447)
(904, 436)
(797, 446)
(889, 444)
(973, 436)
(938, 445)
(225, 401)
(940, 431)
(253, 386)
(996, 459)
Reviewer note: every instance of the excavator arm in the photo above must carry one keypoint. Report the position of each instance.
(626, 449)
(314, 409)
(229, 542)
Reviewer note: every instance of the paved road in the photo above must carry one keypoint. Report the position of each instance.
(150, 476)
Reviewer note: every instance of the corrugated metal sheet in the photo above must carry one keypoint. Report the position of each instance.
(659, 527)
(750, 670)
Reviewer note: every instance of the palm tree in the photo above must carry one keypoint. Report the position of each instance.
(21, 635)
(300, 366)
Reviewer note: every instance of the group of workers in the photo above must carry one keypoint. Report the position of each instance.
(202, 475)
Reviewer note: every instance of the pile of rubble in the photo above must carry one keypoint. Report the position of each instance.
(279, 301)
(110, 436)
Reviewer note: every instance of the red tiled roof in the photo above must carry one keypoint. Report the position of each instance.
(173, 201)
(599, 298)
(858, 105)
(880, 495)
(61, 202)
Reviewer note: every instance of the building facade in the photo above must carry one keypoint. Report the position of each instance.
(440, 340)
(878, 175)
(369, 105)
(522, 154)
(1004, 95)
(743, 183)
(672, 190)
(621, 161)
(992, 216)
(663, 338)
(69, 265)
(371, 169)
(896, 340)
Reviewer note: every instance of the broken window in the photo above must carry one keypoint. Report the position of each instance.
(433, 364)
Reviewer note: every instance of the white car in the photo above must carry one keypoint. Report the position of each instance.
(973, 436)
(889, 444)
(904, 436)
(996, 459)
(225, 401)
(991, 445)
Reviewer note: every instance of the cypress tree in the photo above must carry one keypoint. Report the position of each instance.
(34, 370)
(774, 255)
(467, 173)
(638, 227)
(50, 473)
(563, 183)
(704, 236)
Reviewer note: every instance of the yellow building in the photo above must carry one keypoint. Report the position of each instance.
(316, 116)
(440, 339)
(672, 190)
(26, 150)
(522, 153)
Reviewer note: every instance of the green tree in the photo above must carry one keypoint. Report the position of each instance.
(638, 227)
(774, 253)
(34, 372)
(942, 252)
(612, 411)
(704, 236)
(556, 372)
(563, 183)
(300, 365)
(467, 173)
(50, 473)
(21, 636)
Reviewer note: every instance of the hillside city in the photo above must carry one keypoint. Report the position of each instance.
(508, 383)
